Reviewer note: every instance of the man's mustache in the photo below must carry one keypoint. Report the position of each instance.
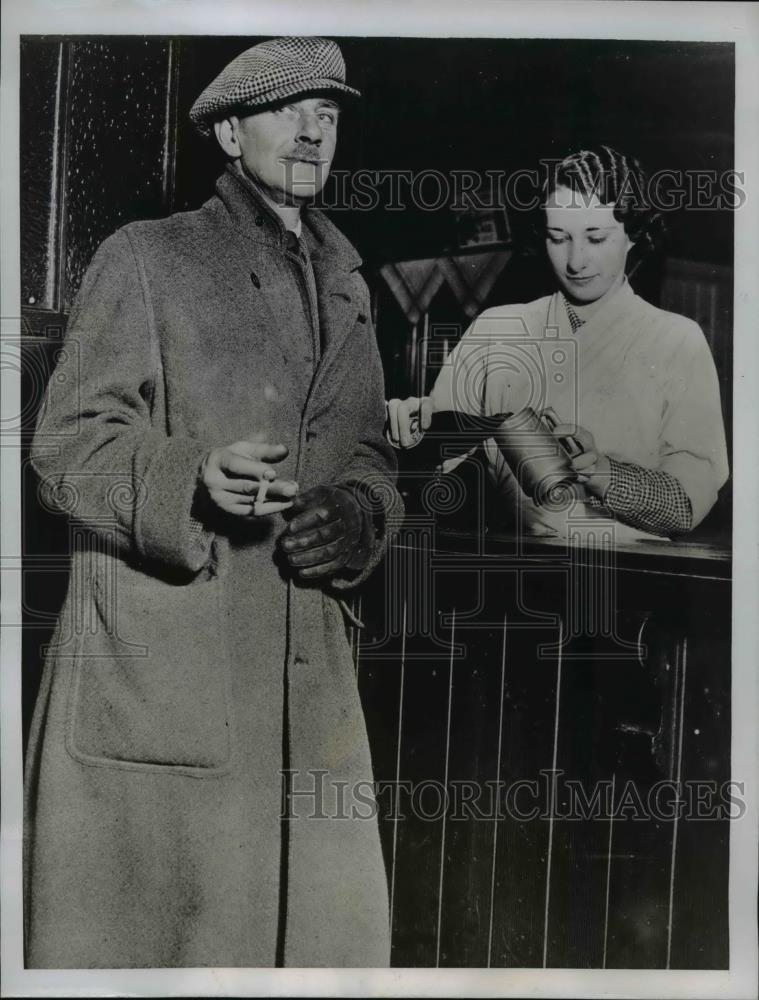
(306, 153)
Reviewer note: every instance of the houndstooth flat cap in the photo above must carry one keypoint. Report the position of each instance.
(271, 71)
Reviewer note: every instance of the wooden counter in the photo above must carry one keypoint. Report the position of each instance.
(504, 678)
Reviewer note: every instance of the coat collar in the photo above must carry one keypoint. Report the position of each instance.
(250, 212)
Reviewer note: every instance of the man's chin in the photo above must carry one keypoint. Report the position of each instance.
(305, 181)
(303, 194)
(294, 189)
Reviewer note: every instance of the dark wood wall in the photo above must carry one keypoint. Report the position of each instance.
(490, 672)
(101, 153)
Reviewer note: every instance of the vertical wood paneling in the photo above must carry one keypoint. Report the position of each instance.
(688, 288)
(116, 163)
(472, 771)
(171, 124)
(638, 914)
(641, 860)
(638, 890)
(704, 293)
(579, 857)
(420, 833)
(43, 66)
(522, 856)
(699, 933)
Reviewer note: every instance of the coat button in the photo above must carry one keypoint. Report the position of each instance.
(255, 279)
(259, 220)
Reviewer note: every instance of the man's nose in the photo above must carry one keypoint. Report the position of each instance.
(309, 129)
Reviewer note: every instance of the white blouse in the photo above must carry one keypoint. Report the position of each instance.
(640, 379)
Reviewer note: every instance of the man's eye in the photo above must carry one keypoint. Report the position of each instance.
(328, 116)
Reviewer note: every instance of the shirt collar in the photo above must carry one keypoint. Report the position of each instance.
(297, 228)
(608, 308)
(574, 320)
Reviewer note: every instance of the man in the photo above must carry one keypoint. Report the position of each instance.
(216, 434)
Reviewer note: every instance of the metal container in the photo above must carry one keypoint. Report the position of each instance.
(540, 461)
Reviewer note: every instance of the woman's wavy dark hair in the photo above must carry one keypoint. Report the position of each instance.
(615, 179)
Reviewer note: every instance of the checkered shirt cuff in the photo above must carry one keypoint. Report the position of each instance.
(198, 530)
(650, 499)
(199, 533)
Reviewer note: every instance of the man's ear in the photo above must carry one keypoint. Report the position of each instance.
(226, 135)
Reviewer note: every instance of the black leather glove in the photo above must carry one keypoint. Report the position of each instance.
(327, 532)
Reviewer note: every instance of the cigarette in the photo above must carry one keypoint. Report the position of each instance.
(263, 488)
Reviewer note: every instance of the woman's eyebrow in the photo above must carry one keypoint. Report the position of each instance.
(588, 229)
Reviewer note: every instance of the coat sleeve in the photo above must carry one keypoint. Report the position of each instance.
(372, 469)
(96, 449)
(692, 445)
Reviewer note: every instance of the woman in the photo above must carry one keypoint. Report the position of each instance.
(634, 385)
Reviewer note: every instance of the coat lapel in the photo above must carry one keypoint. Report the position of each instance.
(334, 261)
(333, 258)
(340, 303)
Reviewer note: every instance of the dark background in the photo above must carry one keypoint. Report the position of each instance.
(477, 104)
(443, 104)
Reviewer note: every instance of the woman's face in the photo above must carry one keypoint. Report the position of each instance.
(586, 245)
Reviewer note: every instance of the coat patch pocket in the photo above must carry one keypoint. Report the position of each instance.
(150, 688)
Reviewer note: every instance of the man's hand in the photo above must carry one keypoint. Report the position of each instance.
(324, 536)
(591, 466)
(406, 417)
(236, 474)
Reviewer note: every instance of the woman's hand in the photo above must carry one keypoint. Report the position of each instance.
(592, 467)
(406, 417)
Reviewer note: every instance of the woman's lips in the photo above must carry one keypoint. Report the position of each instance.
(581, 281)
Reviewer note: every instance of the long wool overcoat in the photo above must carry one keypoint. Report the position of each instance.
(188, 671)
